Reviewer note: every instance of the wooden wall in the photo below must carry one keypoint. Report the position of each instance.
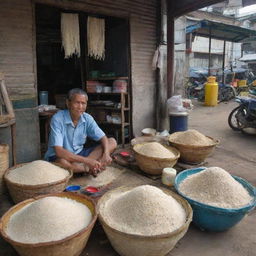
(17, 54)
(16, 47)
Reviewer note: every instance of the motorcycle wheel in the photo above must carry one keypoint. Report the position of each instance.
(231, 93)
(191, 93)
(232, 120)
(227, 94)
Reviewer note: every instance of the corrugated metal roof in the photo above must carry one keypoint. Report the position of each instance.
(179, 8)
(248, 57)
(220, 31)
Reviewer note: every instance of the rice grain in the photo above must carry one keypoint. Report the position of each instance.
(144, 210)
(48, 219)
(215, 186)
(155, 149)
(191, 137)
(36, 173)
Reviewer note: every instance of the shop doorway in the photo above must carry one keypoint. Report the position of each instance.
(57, 75)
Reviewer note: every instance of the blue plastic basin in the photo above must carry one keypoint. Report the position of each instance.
(73, 188)
(212, 218)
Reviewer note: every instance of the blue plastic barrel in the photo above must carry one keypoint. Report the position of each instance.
(43, 98)
(178, 121)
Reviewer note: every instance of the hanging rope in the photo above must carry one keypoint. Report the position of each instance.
(70, 34)
(96, 38)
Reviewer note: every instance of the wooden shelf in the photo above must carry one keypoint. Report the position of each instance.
(108, 78)
(106, 93)
(107, 108)
(106, 123)
(119, 99)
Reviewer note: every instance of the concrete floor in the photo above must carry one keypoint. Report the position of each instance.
(235, 153)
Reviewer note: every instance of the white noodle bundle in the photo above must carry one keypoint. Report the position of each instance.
(70, 34)
(96, 38)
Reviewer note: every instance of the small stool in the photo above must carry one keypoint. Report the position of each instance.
(46, 116)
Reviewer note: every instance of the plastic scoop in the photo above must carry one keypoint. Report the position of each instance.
(73, 188)
(91, 189)
(125, 154)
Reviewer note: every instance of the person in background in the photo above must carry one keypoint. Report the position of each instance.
(69, 130)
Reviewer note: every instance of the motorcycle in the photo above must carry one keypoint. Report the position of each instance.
(195, 86)
(226, 92)
(244, 116)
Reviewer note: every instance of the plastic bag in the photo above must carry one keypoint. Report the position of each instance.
(175, 104)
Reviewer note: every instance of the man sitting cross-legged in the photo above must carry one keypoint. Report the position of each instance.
(69, 131)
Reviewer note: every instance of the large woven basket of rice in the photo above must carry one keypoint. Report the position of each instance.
(193, 154)
(20, 192)
(71, 245)
(127, 244)
(154, 165)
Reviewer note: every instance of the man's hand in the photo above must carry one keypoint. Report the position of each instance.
(93, 164)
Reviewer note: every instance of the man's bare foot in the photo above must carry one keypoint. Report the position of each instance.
(80, 168)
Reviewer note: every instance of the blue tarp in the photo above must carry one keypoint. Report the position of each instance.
(198, 72)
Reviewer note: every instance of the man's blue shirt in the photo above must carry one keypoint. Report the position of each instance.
(64, 134)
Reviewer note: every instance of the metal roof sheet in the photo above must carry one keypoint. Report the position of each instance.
(248, 57)
(220, 31)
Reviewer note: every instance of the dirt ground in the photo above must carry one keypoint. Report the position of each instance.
(235, 153)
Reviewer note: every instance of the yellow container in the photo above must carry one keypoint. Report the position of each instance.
(242, 83)
(211, 92)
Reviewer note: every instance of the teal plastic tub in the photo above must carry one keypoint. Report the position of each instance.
(212, 218)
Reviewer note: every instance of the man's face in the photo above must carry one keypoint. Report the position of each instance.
(77, 105)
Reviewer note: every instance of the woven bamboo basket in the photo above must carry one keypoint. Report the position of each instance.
(141, 139)
(4, 164)
(138, 245)
(20, 192)
(70, 246)
(194, 154)
(155, 165)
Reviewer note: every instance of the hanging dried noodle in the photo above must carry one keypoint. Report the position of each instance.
(96, 38)
(70, 34)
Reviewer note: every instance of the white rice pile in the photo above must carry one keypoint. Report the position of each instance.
(155, 149)
(37, 172)
(48, 219)
(104, 178)
(191, 137)
(214, 186)
(144, 210)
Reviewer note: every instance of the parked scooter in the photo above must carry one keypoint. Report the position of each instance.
(195, 86)
(226, 92)
(243, 116)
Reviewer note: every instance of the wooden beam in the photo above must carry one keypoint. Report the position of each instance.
(170, 51)
(7, 101)
(182, 7)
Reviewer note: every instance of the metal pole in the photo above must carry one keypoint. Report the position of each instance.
(210, 46)
(223, 62)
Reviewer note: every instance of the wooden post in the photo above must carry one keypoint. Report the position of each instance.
(7, 101)
(170, 56)
(11, 116)
(122, 118)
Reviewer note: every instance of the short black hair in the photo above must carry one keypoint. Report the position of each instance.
(74, 91)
